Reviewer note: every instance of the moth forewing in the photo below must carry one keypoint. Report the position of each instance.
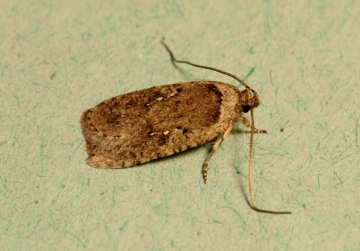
(157, 122)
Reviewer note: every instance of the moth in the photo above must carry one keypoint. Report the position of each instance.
(145, 125)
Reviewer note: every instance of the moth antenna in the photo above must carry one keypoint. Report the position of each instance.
(173, 59)
(252, 203)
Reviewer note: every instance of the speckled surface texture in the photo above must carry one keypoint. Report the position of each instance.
(59, 58)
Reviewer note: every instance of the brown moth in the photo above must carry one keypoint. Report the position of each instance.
(144, 125)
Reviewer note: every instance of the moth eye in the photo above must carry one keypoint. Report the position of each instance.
(246, 108)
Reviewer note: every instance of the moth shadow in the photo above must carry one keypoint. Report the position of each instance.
(184, 73)
(240, 131)
(171, 158)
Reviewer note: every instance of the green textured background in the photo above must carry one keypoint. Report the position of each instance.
(59, 58)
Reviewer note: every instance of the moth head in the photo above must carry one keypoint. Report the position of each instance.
(249, 100)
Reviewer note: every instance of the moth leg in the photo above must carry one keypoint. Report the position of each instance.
(247, 123)
(214, 148)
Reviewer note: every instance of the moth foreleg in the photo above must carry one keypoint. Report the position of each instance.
(247, 123)
(214, 148)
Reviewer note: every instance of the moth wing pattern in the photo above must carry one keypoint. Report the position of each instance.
(152, 123)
